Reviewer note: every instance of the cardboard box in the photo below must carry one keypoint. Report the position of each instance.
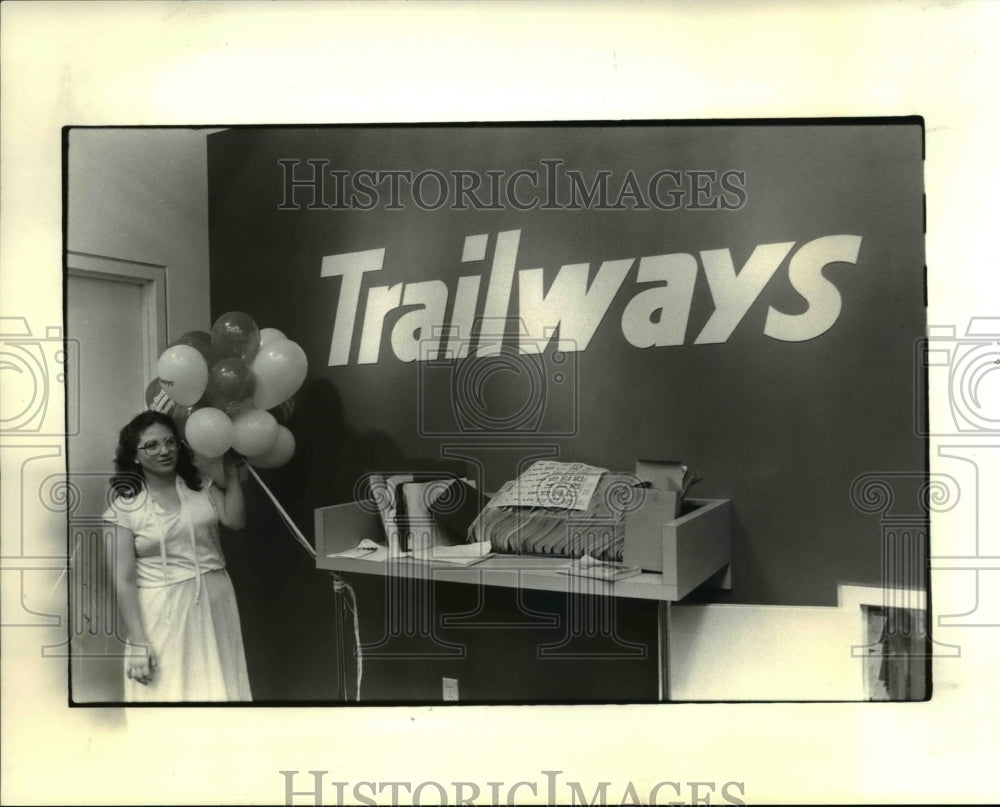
(665, 475)
(661, 504)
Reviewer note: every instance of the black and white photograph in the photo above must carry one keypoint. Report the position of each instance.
(474, 403)
(436, 383)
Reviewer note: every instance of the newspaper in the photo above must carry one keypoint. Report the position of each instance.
(547, 483)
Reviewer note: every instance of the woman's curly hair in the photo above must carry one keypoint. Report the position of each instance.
(128, 480)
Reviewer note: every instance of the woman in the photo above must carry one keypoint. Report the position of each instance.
(175, 597)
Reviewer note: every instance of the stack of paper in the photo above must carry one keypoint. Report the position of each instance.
(588, 566)
(367, 550)
(459, 554)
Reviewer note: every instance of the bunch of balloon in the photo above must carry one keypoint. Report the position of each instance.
(231, 390)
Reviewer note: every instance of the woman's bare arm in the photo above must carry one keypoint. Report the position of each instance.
(229, 501)
(120, 554)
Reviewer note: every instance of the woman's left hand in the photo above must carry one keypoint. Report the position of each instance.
(229, 496)
(235, 469)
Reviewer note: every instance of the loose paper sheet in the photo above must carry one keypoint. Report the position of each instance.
(563, 485)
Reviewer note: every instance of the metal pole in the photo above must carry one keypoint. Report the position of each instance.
(338, 621)
(663, 649)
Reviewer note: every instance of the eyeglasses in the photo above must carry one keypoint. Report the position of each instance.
(152, 448)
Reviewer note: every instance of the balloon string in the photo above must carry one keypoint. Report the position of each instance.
(296, 532)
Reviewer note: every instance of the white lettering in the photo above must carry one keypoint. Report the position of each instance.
(462, 317)
(659, 316)
(351, 265)
(381, 300)
(575, 304)
(418, 333)
(806, 275)
(498, 292)
(733, 293)
(569, 305)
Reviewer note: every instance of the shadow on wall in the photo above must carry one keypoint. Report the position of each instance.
(286, 605)
(746, 566)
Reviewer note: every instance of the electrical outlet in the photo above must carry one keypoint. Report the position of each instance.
(449, 689)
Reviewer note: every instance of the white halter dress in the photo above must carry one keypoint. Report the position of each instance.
(186, 600)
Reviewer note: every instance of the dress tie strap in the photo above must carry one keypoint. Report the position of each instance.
(186, 515)
(163, 563)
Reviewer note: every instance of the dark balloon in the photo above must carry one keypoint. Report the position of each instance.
(200, 341)
(235, 336)
(156, 398)
(230, 385)
(180, 415)
(283, 412)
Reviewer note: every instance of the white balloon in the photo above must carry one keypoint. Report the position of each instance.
(183, 374)
(268, 335)
(209, 432)
(254, 432)
(280, 453)
(279, 370)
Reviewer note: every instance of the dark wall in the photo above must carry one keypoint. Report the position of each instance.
(781, 428)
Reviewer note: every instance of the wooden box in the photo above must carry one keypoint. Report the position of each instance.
(343, 526)
(685, 550)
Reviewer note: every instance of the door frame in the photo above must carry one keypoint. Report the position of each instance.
(151, 277)
(95, 665)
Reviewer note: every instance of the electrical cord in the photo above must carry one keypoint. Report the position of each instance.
(341, 586)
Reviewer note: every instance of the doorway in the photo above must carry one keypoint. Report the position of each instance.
(116, 318)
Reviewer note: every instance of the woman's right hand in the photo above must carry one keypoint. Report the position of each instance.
(140, 668)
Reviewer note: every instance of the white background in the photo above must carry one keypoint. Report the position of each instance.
(227, 63)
